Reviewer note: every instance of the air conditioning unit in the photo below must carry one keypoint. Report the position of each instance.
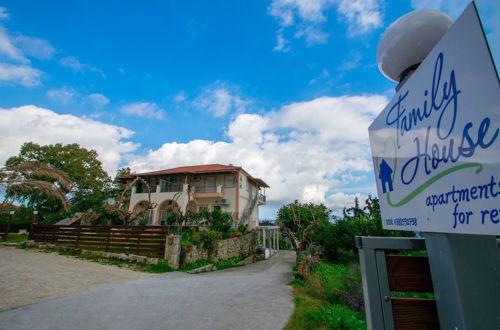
(224, 201)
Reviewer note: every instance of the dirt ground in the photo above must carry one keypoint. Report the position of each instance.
(29, 276)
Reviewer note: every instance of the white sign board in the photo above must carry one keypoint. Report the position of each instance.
(436, 146)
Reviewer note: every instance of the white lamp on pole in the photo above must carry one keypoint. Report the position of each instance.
(407, 41)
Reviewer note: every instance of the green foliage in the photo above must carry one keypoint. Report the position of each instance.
(297, 221)
(288, 215)
(338, 317)
(160, 267)
(228, 263)
(219, 264)
(217, 220)
(21, 219)
(90, 181)
(320, 300)
(80, 164)
(17, 238)
(336, 237)
(209, 240)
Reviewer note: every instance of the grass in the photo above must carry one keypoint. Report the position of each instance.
(17, 237)
(161, 267)
(320, 300)
(219, 264)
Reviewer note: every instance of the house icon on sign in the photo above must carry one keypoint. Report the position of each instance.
(385, 176)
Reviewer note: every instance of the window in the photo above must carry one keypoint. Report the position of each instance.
(170, 185)
(229, 181)
(210, 185)
(216, 207)
(202, 208)
(140, 188)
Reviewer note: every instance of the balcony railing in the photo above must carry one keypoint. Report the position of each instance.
(170, 187)
(205, 189)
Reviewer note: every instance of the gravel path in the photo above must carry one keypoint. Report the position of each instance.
(252, 297)
(28, 276)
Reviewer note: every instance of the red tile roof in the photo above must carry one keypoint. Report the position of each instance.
(197, 169)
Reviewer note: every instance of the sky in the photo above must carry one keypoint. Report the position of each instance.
(284, 88)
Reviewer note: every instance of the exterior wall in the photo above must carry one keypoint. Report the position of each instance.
(239, 246)
(237, 204)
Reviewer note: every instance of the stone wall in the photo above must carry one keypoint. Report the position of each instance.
(233, 247)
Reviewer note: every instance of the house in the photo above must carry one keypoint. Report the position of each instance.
(201, 187)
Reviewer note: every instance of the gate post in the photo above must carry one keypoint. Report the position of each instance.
(173, 250)
(465, 273)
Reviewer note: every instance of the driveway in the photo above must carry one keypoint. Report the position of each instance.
(251, 297)
(28, 276)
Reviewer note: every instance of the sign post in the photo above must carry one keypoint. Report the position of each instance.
(436, 154)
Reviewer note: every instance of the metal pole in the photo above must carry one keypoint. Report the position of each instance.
(33, 217)
(465, 273)
(11, 215)
(275, 240)
(264, 241)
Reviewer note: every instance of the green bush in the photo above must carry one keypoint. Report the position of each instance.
(209, 240)
(338, 317)
(339, 284)
(336, 236)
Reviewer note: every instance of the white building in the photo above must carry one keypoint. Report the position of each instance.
(201, 187)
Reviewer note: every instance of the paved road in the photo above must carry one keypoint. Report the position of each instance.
(252, 297)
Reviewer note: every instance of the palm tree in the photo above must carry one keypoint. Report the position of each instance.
(26, 177)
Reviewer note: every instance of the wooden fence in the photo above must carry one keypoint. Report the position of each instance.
(386, 276)
(140, 240)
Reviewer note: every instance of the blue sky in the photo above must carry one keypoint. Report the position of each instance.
(284, 88)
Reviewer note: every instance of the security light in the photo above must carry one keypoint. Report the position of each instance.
(407, 41)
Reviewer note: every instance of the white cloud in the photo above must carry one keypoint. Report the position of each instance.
(144, 109)
(220, 99)
(62, 95)
(20, 74)
(65, 95)
(339, 200)
(180, 97)
(35, 47)
(361, 15)
(43, 126)
(77, 66)
(97, 100)
(8, 49)
(308, 17)
(307, 14)
(323, 75)
(452, 7)
(3, 13)
(73, 63)
(305, 151)
(488, 10)
(14, 49)
(352, 63)
(282, 44)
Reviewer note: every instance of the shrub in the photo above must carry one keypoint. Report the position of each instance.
(341, 284)
(209, 240)
(338, 317)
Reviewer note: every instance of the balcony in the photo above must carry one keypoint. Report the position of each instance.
(208, 191)
(262, 198)
(170, 187)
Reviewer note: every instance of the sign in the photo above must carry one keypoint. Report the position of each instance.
(436, 146)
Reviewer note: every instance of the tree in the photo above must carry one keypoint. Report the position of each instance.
(89, 181)
(297, 221)
(21, 179)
